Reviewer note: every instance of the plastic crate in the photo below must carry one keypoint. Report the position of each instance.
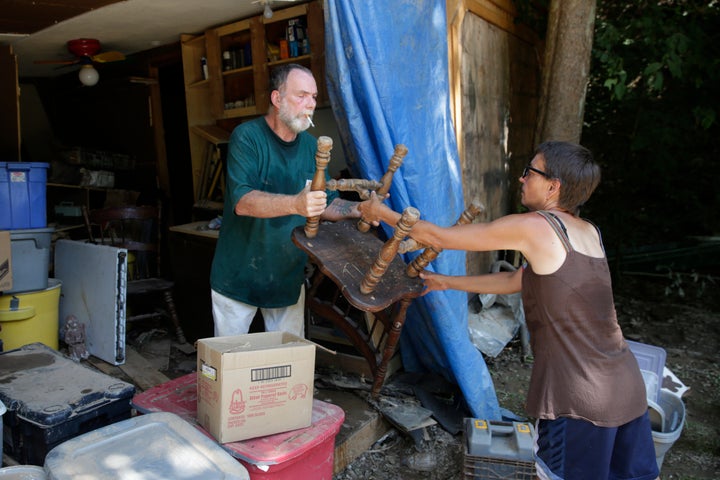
(30, 258)
(2, 412)
(297, 454)
(23, 187)
(651, 360)
(498, 450)
(51, 399)
(155, 446)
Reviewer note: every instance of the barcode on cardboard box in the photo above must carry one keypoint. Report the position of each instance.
(270, 373)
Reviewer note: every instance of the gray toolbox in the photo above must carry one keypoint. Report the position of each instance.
(498, 450)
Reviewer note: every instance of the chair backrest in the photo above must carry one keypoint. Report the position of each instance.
(136, 229)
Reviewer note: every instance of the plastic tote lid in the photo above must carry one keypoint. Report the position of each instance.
(22, 472)
(156, 445)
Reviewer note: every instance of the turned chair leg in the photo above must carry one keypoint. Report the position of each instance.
(389, 249)
(174, 316)
(322, 158)
(386, 181)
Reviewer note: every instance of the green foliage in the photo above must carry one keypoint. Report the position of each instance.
(680, 284)
(651, 119)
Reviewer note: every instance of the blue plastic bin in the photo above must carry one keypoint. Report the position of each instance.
(23, 187)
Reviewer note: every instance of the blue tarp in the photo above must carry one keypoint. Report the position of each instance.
(388, 84)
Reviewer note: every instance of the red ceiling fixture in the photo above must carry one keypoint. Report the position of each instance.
(86, 52)
(84, 47)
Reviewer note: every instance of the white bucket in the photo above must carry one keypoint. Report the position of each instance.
(673, 420)
(23, 472)
(657, 415)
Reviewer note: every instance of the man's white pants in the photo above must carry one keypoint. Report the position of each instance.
(234, 318)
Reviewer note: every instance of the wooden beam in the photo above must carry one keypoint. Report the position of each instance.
(144, 376)
(9, 105)
(502, 14)
(363, 426)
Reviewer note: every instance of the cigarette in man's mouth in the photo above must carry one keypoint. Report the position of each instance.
(310, 120)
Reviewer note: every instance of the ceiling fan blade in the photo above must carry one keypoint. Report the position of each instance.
(55, 62)
(106, 57)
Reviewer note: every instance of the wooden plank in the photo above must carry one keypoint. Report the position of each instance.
(354, 363)
(327, 335)
(212, 133)
(144, 376)
(9, 105)
(105, 367)
(363, 426)
(347, 363)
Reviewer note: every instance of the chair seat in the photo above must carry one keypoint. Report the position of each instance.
(138, 229)
(148, 285)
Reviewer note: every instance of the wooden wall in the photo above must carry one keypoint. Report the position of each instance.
(9, 106)
(495, 81)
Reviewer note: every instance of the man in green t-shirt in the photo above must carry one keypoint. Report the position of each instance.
(271, 161)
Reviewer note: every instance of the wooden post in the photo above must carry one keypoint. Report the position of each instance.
(430, 253)
(386, 180)
(322, 158)
(389, 249)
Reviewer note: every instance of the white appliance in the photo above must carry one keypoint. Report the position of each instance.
(94, 290)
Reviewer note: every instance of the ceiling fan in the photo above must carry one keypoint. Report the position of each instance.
(267, 11)
(87, 52)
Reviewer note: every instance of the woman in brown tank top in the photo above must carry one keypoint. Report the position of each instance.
(586, 391)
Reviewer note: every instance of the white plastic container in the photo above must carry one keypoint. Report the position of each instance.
(651, 360)
(3, 409)
(673, 419)
(23, 472)
(30, 253)
(157, 445)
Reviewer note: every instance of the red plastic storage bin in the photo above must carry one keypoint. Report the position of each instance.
(304, 453)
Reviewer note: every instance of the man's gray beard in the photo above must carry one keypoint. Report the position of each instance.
(296, 124)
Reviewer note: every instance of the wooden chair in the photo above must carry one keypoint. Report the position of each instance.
(137, 229)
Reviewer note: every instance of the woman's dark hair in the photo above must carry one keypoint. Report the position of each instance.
(576, 169)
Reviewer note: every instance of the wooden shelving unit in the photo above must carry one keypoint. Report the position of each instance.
(237, 92)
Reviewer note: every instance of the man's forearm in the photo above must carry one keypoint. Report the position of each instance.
(266, 205)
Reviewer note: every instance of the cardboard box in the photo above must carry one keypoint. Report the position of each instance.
(254, 385)
(6, 277)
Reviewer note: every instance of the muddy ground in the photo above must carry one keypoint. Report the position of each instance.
(679, 313)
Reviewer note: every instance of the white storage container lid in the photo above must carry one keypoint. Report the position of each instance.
(651, 359)
(156, 445)
(22, 472)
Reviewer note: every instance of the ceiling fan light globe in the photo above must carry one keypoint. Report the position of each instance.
(88, 75)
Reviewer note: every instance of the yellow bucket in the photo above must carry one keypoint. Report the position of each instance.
(33, 317)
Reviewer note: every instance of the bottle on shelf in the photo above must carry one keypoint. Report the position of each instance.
(292, 38)
(227, 60)
(204, 66)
